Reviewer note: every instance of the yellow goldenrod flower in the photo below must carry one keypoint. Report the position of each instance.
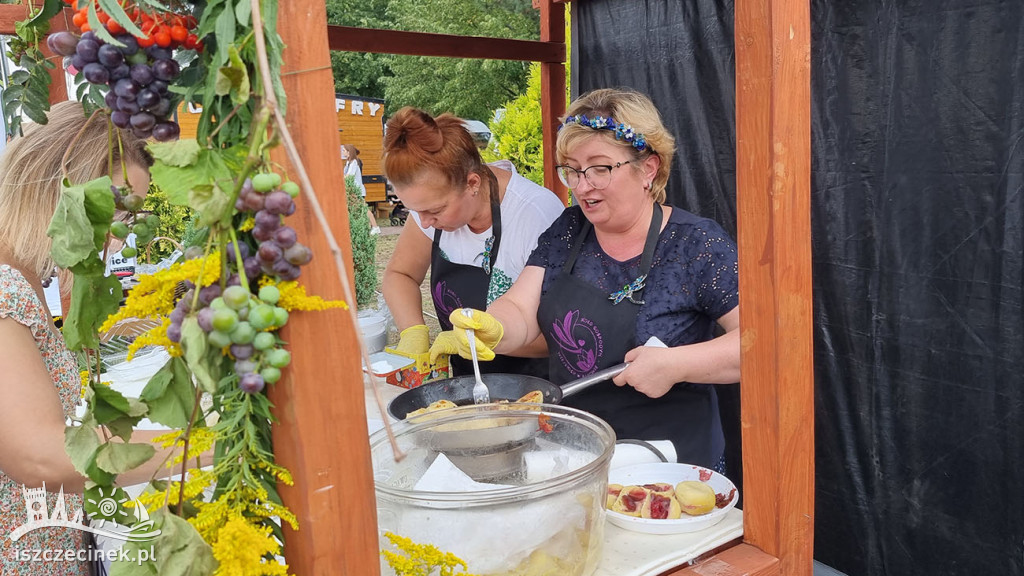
(240, 548)
(421, 559)
(154, 337)
(294, 297)
(247, 224)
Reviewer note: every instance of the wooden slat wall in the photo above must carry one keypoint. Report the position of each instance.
(774, 233)
(321, 435)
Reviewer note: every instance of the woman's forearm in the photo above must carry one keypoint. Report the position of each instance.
(404, 300)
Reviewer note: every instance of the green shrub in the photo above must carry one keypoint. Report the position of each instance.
(517, 136)
(173, 220)
(364, 245)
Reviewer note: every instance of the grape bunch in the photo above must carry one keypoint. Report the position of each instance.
(244, 324)
(137, 80)
(278, 253)
(144, 228)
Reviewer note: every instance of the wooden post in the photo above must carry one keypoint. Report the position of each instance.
(552, 91)
(13, 13)
(321, 435)
(774, 236)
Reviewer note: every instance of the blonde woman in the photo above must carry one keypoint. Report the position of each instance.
(40, 383)
(616, 269)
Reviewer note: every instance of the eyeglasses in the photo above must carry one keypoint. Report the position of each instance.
(598, 176)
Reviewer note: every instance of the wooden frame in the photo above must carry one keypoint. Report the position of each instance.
(324, 443)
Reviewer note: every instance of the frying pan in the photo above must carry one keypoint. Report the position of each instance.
(509, 387)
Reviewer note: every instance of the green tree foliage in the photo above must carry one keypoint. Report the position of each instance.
(364, 245)
(359, 73)
(516, 136)
(173, 220)
(469, 88)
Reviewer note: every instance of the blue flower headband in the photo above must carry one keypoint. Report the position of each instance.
(622, 131)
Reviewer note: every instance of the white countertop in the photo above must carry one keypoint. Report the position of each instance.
(626, 553)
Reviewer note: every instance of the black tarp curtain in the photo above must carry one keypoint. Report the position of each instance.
(917, 159)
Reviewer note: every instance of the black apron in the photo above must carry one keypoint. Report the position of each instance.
(587, 331)
(454, 286)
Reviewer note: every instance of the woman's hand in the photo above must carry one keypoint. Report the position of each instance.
(487, 331)
(652, 370)
(414, 340)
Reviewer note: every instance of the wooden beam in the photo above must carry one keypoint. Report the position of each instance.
(552, 92)
(349, 39)
(321, 432)
(774, 238)
(741, 560)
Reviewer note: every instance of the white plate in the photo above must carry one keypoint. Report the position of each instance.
(673, 474)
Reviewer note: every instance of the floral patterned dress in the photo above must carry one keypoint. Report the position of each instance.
(36, 552)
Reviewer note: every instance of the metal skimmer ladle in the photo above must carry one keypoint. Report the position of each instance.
(480, 393)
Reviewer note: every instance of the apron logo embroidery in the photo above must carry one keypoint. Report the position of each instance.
(580, 343)
(445, 300)
(627, 291)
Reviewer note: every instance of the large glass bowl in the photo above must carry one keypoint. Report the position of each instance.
(509, 490)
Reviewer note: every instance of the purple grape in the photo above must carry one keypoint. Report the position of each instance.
(165, 69)
(241, 351)
(120, 118)
(122, 71)
(267, 220)
(96, 73)
(243, 367)
(247, 187)
(62, 43)
(239, 204)
(251, 383)
(109, 56)
(87, 49)
(128, 106)
(243, 248)
(208, 293)
(270, 252)
(162, 108)
(252, 267)
(174, 332)
(298, 254)
(141, 74)
(158, 53)
(205, 318)
(285, 236)
(277, 202)
(147, 98)
(90, 35)
(234, 280)
(142, 134)
(131, 45)
(143, 121)
(110, 99)
(158, 86)
(286, 270)
(291, 208)
(77, 62)
(125, 88)
(262, 234)
(253, 202)
(177, 315)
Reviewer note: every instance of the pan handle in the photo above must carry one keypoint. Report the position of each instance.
(570, 388)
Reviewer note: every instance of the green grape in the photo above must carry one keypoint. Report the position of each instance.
(153, 221)
(119, 230)
(270, 294)
(218, 303)
(129, 252)
(142, 230)
(218, 339)
(261, 316)
(264, 341)
(263, 182)
(133, 202)
(278, 357)
(280, 316)
(275, 178)
(270, 374)
(225, 320)
(243, 333)
(291, 188)
(235, 297)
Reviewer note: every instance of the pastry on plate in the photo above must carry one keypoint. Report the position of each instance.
(613, 494)
(660, 506)
(630, 501)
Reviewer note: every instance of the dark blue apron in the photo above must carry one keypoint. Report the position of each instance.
(587, 331)
(454, 286)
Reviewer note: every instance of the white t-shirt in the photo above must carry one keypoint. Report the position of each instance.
(526, 210)
(352, 169)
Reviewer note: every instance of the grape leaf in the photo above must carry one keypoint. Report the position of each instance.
(81, 444)
(93, 298)
(233, 79)
(117, 458)
(79, 224)
(193, 342)
(178, 181)
(180, 153)
(170, 395)
(183, 550)
(211, 202)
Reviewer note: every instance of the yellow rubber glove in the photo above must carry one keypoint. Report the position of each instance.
(487, 333)
(414, 340)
